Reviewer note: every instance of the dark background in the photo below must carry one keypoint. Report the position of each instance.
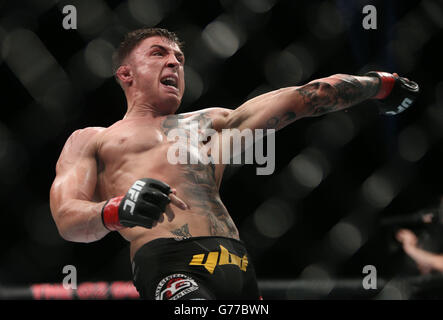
(337, 176)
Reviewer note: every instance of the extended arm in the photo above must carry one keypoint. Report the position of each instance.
(276, 109)
(425, 260)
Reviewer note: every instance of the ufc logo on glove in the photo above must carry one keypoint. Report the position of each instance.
(133, 193)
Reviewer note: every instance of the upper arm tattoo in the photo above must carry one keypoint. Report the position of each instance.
(277, 122)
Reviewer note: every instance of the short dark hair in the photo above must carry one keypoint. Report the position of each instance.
(133, 38)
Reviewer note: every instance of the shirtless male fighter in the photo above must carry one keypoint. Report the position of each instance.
(183, 242)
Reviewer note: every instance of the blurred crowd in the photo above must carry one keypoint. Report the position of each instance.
(345, 184)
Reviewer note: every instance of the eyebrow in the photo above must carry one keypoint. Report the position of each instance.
(166, 49)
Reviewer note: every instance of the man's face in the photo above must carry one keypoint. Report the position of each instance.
(157, 68)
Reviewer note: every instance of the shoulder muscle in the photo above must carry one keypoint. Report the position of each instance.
(81, 144)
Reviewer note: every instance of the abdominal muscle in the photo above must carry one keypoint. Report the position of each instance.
(136, 149)
(185, 224)
(195, 184)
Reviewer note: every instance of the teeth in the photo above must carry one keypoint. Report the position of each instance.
(169, 81)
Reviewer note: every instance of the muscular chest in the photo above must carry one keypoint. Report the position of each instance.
(129, 139)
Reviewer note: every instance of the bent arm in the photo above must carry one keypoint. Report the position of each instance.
(277, 109)
(77, 217)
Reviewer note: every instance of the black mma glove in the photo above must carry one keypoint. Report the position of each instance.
(142, 205)
(396, 94)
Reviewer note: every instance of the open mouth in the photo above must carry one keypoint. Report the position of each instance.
(170, 82)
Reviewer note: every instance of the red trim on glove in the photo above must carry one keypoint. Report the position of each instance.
(110, 214)
(387, 83)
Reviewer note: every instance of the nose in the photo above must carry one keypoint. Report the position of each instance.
(172, 62)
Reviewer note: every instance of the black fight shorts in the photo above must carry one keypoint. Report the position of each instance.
(206, 268)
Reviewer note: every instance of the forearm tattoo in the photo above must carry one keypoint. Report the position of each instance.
(327, 95)
(338, 92)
